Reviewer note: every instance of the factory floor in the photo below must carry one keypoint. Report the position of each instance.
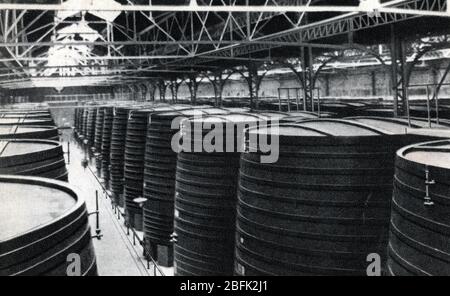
(118, 253)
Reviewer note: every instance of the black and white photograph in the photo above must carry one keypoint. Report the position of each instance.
(224, 143)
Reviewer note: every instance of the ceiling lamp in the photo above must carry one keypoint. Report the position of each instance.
(82, 29)
(94, 7)
(66, 60)
(371, 6)
(62, 56)
(108, 16)
(193, 3)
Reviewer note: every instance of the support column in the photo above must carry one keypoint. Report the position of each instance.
(399, 76)
(193, 87)
(148, 91)
(218, 84)
(144, 89)
(251, 86)
(327, 85)
(311, 80)
(174, 90)
(137, 93)
(152, 90)
(435, 74)
(373, 77)
(308, 76)
(162, 90)
(131, 94)
(112, 94)
(254, 82)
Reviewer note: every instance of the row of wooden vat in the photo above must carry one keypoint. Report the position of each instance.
(44, 220)
(321, 209)
(27, 124)
(29, 142)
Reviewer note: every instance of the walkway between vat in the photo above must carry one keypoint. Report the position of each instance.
(116, 253)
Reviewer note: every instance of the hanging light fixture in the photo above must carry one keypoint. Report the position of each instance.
(193, 3)
(371, 6)
(72, 8)
(82, 29)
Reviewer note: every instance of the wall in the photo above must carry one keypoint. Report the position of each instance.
(41, 94)
(348, 83)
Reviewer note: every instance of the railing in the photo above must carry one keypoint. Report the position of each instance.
(119, 214)
(297, 97)
(136, 239)
(430, 89)
(294, 92)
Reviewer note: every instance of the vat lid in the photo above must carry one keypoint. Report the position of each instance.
(22, 147)
(303, 114)
(341, 128)
(436, 154)
(193, 112)
(18, 129)
(323, 128)
(394, 125)
(235, 118)
(29, 204)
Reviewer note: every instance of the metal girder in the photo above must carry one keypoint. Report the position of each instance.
(103, 70)
(335, 26)
(155, 43)
(215, 33)
(399, 79)
(176, 43)
(94, 6)
(11, 22)
(118, 67)
(231, 24)
(339, 25)
(180, 8)
(94, 58)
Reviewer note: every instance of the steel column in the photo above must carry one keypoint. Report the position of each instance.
(399, 74)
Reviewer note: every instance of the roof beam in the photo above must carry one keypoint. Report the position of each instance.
(94, 58)
(185, 42)
(217, 8)
(338, 25)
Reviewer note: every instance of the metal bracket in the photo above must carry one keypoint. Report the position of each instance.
(98, 231)
(98, 235)
(68, 153)
(174, 238)
(428, 182)
(140, 201)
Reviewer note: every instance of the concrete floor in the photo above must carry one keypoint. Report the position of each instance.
(116, 253)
